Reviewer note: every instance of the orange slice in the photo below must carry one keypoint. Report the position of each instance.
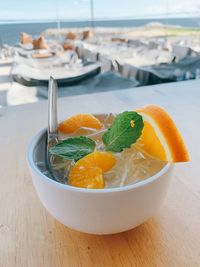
(160, 137)
(80, 120)
(88, 171)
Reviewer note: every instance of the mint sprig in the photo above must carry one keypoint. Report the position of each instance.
(73, 148)
(124, 131)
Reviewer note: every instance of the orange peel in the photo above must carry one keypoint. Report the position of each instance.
(160, 137)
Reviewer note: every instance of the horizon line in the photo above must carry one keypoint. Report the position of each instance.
(99, 19)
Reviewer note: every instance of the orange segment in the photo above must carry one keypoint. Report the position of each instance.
(160, 136)
(104, 160)
(86, 178)
(80, 120)
(88, 171)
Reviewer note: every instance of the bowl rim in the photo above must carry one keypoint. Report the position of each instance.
(32, 165)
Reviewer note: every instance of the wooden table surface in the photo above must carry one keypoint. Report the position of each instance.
(29, 236)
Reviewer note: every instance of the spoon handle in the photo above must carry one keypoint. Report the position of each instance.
(52, 110)
(52, 129)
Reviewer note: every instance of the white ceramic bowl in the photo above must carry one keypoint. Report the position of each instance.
(97, 211)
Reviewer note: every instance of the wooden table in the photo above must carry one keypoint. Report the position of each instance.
(29, 236)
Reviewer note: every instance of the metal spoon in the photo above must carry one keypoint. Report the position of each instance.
(52, 129)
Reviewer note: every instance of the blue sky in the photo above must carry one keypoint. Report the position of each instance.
(79, 9)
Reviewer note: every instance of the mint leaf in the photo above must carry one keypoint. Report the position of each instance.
(73, 148)
(124, 131)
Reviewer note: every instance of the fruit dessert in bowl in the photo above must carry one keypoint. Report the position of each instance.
(110, 172)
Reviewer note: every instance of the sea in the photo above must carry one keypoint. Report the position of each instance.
(10, 30)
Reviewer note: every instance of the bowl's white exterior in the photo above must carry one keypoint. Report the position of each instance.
(103, 211)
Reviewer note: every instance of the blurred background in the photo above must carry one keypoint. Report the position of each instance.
(95, 45)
